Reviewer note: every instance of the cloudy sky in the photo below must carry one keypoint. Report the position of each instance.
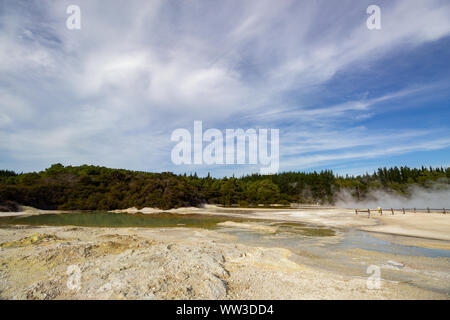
(343, 97)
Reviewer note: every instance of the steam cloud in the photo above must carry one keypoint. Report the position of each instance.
(437, 196)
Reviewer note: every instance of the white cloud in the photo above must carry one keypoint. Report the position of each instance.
(134, 73)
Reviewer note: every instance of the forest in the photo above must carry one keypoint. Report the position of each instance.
(90, 187)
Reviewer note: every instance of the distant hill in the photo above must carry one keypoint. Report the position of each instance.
(98, 188)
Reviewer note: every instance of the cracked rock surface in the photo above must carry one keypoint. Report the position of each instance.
(170, 263)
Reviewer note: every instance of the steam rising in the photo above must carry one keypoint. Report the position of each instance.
(437, 196)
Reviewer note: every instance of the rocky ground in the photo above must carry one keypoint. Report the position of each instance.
(171, 263)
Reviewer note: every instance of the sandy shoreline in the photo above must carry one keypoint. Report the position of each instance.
(421, 225)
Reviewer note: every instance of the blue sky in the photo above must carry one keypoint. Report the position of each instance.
(343, 97)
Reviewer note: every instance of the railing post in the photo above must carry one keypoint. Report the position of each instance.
(403, 210)
(356, 211)
(444, 211)
(428, 209)
(368, 210)
(414, 210)
(392, 210)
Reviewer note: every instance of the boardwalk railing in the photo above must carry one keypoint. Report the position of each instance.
(403, 210)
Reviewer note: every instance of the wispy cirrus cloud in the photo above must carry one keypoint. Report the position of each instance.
(112, 92)
(332, 158)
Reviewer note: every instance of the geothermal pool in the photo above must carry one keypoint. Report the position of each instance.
(290, 235)
(347, 251)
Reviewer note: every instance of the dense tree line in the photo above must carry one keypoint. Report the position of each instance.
(99, 188)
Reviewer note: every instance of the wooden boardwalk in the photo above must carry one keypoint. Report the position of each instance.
(402, 210)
